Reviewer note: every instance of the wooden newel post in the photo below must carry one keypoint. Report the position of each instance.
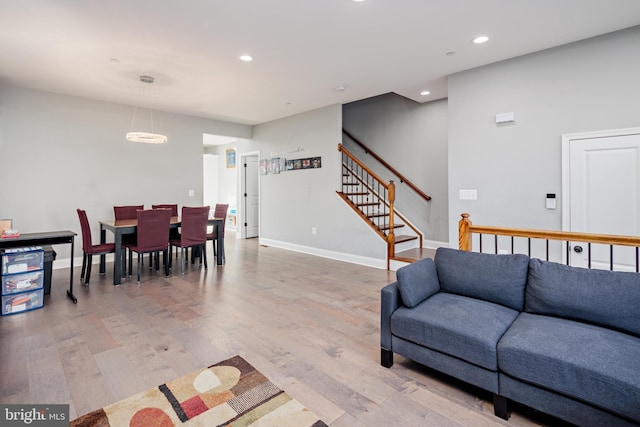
(391, 237)
(464, 233)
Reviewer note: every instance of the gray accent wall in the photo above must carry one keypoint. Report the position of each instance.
(60, 153)
(411, 137)
(585, 86)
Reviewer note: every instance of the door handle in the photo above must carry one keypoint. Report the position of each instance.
(577, 249)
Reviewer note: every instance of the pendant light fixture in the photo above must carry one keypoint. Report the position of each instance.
(142, 129)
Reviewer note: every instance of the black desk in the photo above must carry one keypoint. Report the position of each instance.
(41, 239)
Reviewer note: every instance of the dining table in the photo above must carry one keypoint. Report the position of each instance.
(129, 226)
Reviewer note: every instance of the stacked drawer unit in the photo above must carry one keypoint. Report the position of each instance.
(22, 280)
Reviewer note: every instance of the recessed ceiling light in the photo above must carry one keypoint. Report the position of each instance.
(480, 40)
(425, 93)
(357, 1)
(246, 58)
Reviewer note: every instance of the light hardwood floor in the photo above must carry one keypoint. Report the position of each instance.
(310, 324)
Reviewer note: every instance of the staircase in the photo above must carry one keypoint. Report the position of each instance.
(373, 200)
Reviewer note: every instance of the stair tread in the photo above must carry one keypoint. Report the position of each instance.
(377, 215)
(404, 238)
(386, 226)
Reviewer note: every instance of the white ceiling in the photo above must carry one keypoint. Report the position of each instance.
(302, 49)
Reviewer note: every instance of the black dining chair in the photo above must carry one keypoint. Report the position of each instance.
(152, 235)
(193, 233)
(88, 248)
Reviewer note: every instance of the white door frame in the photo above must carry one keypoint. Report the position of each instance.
(241, 230)
(566, 172)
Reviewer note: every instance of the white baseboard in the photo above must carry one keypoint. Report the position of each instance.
(434, 244)
(60, 263)
(339, 256)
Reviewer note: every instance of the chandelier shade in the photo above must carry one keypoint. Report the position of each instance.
(142, 126)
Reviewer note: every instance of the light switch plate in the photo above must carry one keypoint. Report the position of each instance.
(468, 194)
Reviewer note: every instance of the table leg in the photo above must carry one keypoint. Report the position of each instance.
(103, 240)
(70, 291)
(117, 262)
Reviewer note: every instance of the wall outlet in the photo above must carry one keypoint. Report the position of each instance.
(192, 193)
(468, 194)
(313, 231)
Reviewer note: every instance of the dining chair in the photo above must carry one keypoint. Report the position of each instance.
(220, 211)
(174, 208)
(88, 248)
(193, 233)
(173, 233)
(152, 235)
(127, 212)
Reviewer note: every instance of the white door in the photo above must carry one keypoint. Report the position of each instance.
(251, 197)
(604, 194)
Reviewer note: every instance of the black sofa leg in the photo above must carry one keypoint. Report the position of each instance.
(501, 407)
(386, 357)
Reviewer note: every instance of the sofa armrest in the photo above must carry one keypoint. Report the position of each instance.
(390, 301)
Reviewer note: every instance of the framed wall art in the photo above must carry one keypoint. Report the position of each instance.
(231, 157)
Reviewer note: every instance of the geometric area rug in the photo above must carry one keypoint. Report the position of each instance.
(229, 393)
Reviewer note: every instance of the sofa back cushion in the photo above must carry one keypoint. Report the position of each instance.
(417, 281)
(495, 278)
(599, 297)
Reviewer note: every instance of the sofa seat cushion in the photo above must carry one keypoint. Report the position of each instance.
(582, 361)
(462, 327)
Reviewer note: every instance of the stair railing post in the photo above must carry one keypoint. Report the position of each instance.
(464, 233)
(391, 237)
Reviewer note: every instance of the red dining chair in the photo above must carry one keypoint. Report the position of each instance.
(174, 208)
(193, 233)
(173, 233)
(89, 249)
(152, 235)
(127, 212)
(220, 211)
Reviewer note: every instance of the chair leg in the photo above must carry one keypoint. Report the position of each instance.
(170, 256)
(182, 260)
(165, 262)
(88, 276)
(204, 255)
(130, 263)
(139, 262)
(84, 266)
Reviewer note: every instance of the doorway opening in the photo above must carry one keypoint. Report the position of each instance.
(249, 195)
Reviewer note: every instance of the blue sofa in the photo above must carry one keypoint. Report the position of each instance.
(560, 339)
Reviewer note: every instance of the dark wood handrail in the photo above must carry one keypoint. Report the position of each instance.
(388, 166)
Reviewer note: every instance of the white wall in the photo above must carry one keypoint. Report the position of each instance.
(585, 86)
(293, 202)
(60, 153)
(412, 138)
(210, 172)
